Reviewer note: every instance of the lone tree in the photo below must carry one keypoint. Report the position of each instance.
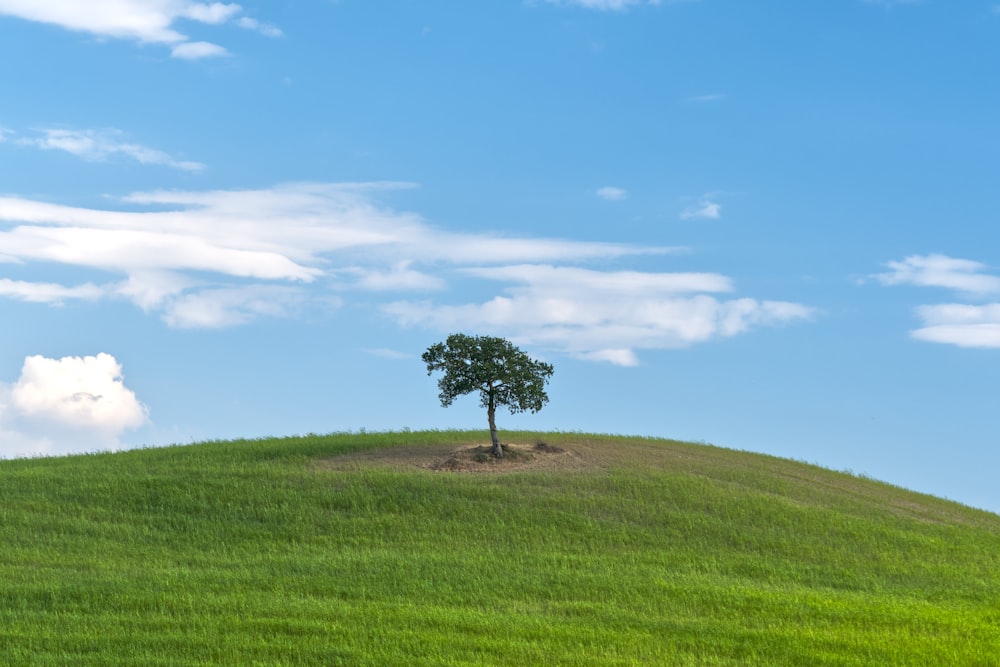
(499, 371)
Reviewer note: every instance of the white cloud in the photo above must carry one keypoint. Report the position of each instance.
(961, 275)
(214, 13)
(68, 404)
(602, 315)
(985, 335)
(219, 258)
(610, 193)
(99, 145)
(144, 20)
(571, 280)
(959, 314)
(705, 209)
(961, 324)
(399, 278)
(48, 292)
(151, 289)
(231, 306)
(265, 29)
(149, 253)
(147, 21)
(82, 392)
(4, 133)
(198, 50)
(618, 357)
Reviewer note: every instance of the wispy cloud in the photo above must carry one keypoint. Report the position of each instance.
(197, 50)
(604, 5)
(705, 209)
(100, 145)
(602, 315)
(265, 29)
(48, 292)
(218, 307)
(147, 21)
(397, 278)
(961, 275)
(705, 99)
(611, 193)
(217, 259)
(891, 3)
(961, 324)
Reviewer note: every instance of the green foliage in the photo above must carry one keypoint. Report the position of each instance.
(499, 371)
(282, 552)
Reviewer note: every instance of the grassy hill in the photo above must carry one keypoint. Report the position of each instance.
(411, 549)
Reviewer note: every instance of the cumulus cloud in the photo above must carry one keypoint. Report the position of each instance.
(611, 193)
(602, 315)
(973, 325)
(223, 258)
(66, 405)
(81, 392)
(146, 21)
(100, 145)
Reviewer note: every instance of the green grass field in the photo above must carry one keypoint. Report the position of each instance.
(339, 550)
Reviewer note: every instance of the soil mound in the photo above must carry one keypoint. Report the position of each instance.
(470, 459)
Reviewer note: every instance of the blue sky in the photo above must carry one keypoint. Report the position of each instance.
(768, 227)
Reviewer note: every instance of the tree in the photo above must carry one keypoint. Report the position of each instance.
(499, 371)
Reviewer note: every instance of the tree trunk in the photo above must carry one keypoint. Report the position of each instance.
(497, 450)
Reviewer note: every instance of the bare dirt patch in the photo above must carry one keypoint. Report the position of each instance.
(471, 458)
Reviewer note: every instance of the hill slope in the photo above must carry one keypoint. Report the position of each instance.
(383, 549)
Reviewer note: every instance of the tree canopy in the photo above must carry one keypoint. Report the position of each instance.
(503, 374)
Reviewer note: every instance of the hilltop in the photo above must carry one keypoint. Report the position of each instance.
(576, 549)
